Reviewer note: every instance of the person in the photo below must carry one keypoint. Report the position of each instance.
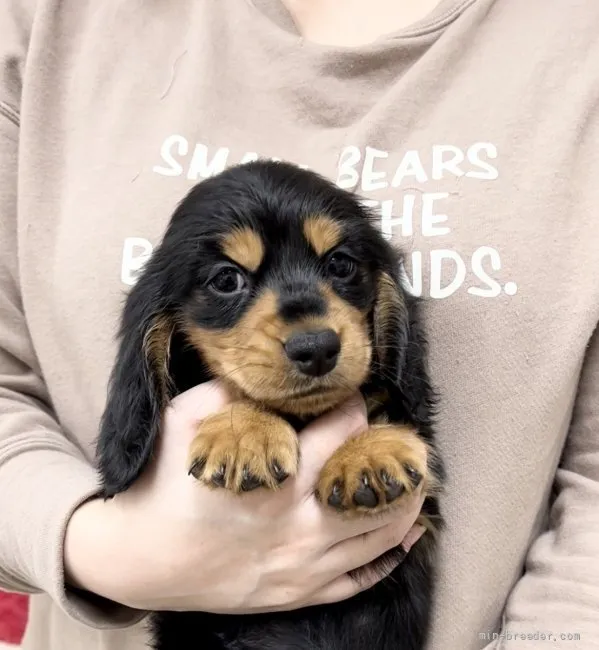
(471, 128)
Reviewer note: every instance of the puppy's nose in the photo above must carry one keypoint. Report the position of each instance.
(314, 353)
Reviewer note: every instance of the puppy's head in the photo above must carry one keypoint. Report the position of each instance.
(286, 270)
(280, 284)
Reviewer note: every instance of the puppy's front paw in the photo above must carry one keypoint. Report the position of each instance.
(243, 448)
(375, 469)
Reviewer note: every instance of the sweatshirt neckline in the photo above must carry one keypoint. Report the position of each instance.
(281, 23)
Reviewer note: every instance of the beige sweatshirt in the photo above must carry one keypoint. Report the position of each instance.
(474, 134)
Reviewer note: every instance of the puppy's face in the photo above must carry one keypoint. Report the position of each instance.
(285, 272)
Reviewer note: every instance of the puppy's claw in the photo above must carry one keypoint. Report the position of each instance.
(335, 499)
(414, 474)
(278, 472)
(197, 468)
(393, 488)
(219, 478)
(249, 482)
(365, 495)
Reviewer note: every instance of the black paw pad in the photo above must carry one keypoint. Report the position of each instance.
(393, 488)
(197, 468)
(414, 474)
(218, 478)
(335, 499)
(249, 482)
(365, 495)
(278, 472)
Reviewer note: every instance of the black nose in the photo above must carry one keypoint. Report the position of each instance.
(314, 353)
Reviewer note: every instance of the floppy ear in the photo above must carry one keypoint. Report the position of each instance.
(390, 324)
(139, 389)
(400, 348)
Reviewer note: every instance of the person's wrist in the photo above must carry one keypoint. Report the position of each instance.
(89, 563)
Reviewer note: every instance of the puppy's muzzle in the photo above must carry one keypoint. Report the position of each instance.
(313, 353)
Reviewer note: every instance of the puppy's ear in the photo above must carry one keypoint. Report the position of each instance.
(390, 319)
(139, 390)
(400, 347)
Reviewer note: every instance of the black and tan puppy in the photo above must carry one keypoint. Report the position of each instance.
(274, 280)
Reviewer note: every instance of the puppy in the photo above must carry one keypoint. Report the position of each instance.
(276, 281)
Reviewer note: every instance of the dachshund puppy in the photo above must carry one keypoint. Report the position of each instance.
(275, 281)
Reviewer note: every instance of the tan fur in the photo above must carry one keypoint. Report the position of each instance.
(388, 311)
(390, 448)
(156, 347)
(243, 437)
(244, 246)
(251, 356)
(322, 233)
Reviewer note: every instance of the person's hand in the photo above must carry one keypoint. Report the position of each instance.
(170, 543)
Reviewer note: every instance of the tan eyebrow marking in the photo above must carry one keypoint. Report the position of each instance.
(244, 246)
(323, 233)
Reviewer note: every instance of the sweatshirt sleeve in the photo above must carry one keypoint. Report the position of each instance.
(558, 595)
(43, 475)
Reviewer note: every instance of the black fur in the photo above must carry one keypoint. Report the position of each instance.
(272, 198)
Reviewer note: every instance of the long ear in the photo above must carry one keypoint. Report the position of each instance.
(390, 324)
(400, 348)
(140, 388)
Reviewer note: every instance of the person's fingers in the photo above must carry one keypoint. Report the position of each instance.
(359, 551)
(200, 401)
(414, 534)
(346, 586)
(319, 440)
(181, 419)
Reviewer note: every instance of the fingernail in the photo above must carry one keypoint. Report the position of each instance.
(414, 534)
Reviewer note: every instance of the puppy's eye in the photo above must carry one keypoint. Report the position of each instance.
(228, 281)
(341, 266)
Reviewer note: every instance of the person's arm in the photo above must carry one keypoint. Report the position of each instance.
(43, 475)
(559, 591)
